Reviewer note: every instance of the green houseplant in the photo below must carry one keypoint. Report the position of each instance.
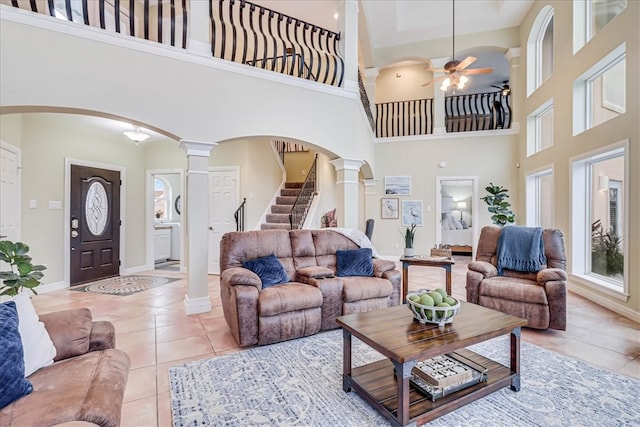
(409, 234)
(606, 255)
(22, 274)
(498, 206)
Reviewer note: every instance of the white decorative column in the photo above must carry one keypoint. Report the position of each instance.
(513, 56)
(196, 231)
(199, 23)
(348, 28)
(370, 200)
(439, 126)
(347, 190)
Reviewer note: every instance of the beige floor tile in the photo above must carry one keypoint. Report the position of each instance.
(590, 353)
(140, 413)
(141, 383)
(631, 369)
(164, 410)
(182, 348)
(179, 330)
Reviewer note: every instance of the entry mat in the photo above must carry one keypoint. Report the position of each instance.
(124, 285)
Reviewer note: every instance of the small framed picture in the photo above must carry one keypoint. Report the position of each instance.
(397, 185)
(411, 212)
(389, 208)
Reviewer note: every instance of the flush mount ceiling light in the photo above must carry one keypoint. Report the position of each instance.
(136, 135)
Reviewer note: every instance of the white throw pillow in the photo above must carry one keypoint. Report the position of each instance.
(39, 351)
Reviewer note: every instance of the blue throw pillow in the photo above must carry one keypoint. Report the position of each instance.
(269, 269)
(13, 384)
(356, 262)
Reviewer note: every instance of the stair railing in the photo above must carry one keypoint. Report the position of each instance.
(364, 98)
(247, 33)
(239, 215)
(300, 207)
(404, 118)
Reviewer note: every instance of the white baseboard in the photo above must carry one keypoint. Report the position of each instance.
(135, 270)
(605, 302)
(197, 305)
(50, 287)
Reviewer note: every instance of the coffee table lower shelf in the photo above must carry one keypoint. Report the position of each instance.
(376, 383)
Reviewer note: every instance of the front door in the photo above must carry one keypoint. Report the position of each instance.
(95, 224)
(223, 190)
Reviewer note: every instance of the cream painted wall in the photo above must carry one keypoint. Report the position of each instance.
(490, 159)
(559, 87)
(390, 87)
(46, 142)
(11, 129)
(328, 191)
(297, 162)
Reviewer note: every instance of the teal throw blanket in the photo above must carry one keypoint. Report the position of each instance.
(520, 249)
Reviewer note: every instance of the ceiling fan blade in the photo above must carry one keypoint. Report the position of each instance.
(477, 71)
(466, 62)
(436, 80)
(436, 70)
(497, 87)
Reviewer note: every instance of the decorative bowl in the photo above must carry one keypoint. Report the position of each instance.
(431, 314)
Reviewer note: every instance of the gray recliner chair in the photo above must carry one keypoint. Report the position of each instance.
(539, 297)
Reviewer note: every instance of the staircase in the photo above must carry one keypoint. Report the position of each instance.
(279, 216)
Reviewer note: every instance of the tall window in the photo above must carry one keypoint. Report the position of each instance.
(600, 13)
(540, 199)
(599, 217)
(162, 199)
(540, 50)
(540, 129)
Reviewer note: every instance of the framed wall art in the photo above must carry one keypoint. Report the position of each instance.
(397, 185)
(389, 208)
(411, 213)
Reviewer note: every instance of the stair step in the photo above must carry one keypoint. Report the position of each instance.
(281, 209)
(285, 200)
(269, 226)
(278, 218)
(290, 192)
(293, 184)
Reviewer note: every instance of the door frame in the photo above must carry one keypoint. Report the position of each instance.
(236, 170)
(16, 150)
(68, 162)
(150, 223)
(474, 212)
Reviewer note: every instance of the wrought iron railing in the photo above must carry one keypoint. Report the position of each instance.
(161, 21)
(251, 34)
(479, 111)
(239, 215)
(364, 98)
(303, 201)
(404, 118)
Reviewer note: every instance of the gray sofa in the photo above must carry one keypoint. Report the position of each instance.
(312, 298)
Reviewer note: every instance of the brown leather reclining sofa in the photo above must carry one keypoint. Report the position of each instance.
(313, 297)
(84, 386)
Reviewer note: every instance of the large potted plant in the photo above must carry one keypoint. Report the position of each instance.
(409, 234)
(498, 206)
(22, 274)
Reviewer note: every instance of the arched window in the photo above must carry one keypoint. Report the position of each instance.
(161, 199)
(540, 50)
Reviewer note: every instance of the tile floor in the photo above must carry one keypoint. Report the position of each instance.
(152, 328)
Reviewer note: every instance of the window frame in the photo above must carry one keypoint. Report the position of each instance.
(535, 49)
(168, 211)
(533, 196)
(534, 142)
(581, 194)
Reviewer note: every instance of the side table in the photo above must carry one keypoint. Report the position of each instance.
(425, 261)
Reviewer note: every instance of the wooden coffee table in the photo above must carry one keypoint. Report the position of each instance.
(394, 333)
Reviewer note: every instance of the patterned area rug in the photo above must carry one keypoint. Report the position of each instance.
(298, 383)
(124, 285)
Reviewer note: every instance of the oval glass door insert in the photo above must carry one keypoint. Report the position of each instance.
(96, 209)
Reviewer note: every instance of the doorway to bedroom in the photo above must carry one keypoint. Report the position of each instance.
(456, 213)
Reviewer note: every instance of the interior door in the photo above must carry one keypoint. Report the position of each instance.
(223, 202)
(95, 224)
(9, 195)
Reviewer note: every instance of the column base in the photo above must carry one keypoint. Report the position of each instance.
(197, 305)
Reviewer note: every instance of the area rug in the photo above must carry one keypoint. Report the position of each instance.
(298, 383)
(124, 285)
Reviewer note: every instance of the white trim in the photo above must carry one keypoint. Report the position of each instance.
(347, 164)
(197, 305)
(50, 287)
(135, 270)
(67, 210)
(514, 130)
(18, 152)
(532, 195)
(197, 148)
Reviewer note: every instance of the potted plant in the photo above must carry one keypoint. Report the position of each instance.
(22, 274)
(498, 206)
(409, 234)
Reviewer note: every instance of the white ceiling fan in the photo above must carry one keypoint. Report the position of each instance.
(456, 71)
